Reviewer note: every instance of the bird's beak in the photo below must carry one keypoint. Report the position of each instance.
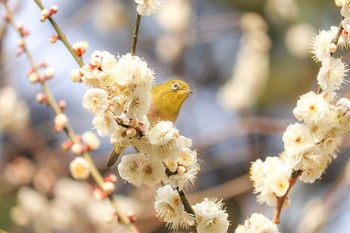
(188, 91)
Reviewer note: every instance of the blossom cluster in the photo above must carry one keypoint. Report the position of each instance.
(309, 146)
(120, 97)
(209, 214)
(257, 223)
(312, 143)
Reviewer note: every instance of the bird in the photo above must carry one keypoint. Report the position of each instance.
(166, 101)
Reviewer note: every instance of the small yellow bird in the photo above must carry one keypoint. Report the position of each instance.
(167, 99)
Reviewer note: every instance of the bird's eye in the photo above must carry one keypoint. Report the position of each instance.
(175, 86)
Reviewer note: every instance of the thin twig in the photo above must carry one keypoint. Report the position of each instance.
(61, 36)
(135, 34)
(280, 200)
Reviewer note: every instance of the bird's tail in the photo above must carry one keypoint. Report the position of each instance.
(114, 156)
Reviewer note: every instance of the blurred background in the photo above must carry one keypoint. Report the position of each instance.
(247, 63)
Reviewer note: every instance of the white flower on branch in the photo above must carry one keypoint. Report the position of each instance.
(332, 73)
(257, 223)
(270, 179)
(152, 172)
(148, 7)
(79, 168)
(211, 217)
(129, 168)
(95, 100)
(105, 124)
(170, 209)
(311, 108)
(297, 139)
(321, 47)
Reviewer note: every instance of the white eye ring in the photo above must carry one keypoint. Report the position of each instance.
(175, 86)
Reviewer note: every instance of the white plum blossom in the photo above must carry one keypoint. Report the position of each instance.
(311, 108)
(129, 168)
(95, 100)
(257, 223)
(270, 179)
(297, 139)
(91, 140)
(152, 172)
(170, 209)
(79, 168)
(321, 47)
(332, 73)
(105, 124)
(148, 7)
(162, 133)
(211, 217)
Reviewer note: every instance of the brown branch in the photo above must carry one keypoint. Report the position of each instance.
(135, 34)
(280, 200)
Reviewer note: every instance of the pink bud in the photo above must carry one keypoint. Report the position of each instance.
(53, 39)
(41, 98)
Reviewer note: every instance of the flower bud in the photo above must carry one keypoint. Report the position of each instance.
(110, 178)
(61, 120)
(53, 9)
(66, 145)
(108, 187)
(181, 170)
(33, 77)
(20, 42)
(62, 104)
(49, 72)
(111, 218)
(41, 98)
(53, 39)
(80, 47)
(77, 149)
(91, 140)
(333, 48)
(99, 194)
(130, 132)
(45, 13)
(19, 26)
(75, 76)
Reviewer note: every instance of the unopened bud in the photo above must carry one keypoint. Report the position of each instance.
(25, 32)
(53, 9)
(34, 77)
(111, 218)
(61, 121)
(108, 187)
(62, 104)
(99, 194)
(66, 145)
(53, 39)
(45, 13)
(20, 42)
(90, 139)
(75, 76)
(41, 98)
(49, 72)
(132, 217)
(77, 149)
(80, 47)
(19, 26)
(110, 178)
(181, 170)
(130, 132)
(333, 48)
